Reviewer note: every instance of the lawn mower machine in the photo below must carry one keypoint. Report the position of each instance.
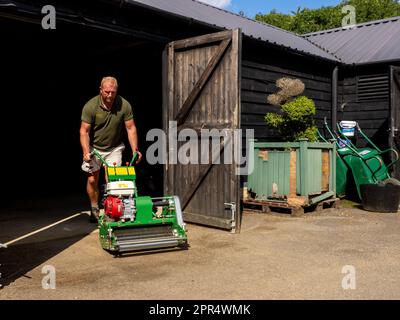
(130, 222)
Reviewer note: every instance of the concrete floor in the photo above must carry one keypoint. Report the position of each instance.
(274, 257)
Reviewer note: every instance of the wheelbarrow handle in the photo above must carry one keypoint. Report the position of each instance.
(396, 156)
(379, 168)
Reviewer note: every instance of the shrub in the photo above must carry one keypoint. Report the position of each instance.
(290, 87)
(296, 120)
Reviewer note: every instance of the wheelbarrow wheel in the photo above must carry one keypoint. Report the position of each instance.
(391, 181)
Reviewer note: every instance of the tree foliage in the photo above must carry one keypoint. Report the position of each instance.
(306, 20)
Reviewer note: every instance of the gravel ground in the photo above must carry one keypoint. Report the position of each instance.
(275, 256)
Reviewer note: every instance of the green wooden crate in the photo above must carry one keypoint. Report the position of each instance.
(293, 169)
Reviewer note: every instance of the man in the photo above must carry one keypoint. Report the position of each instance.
(103, 118)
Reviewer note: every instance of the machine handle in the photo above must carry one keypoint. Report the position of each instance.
(135, 154)
(97, 154)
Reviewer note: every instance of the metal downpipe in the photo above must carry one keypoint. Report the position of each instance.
(334, 97)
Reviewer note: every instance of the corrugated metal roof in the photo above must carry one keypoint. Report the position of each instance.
(374, 41)
(221, 18)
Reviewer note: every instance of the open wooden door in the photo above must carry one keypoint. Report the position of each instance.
(394, 137)
(201, 79)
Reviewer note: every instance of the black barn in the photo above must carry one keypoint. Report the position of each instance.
(175, 60)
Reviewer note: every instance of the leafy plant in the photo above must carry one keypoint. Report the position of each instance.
(296, 119)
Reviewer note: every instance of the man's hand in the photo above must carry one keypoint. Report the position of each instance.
(132, 137)
(139, 156)
(87, 157)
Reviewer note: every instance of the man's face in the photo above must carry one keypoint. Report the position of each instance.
(108, 92)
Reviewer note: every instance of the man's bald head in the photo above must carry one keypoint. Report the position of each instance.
(110, 80)
(108, 91)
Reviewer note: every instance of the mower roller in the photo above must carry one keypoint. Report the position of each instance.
(131, 222)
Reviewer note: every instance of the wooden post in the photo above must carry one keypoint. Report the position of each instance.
(293, 181)
(304, 167)
(325, 170)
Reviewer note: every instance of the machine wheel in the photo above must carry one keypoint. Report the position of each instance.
(184, 246)
(117, 254)
(391, 181)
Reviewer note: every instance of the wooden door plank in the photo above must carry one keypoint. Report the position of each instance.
(189, 102)
(192, 188)
(168, 103)
(202, 40)
(394, 140)
(236, 120)
(207, 220)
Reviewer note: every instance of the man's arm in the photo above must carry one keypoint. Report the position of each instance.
(132, 137)
(85, 140)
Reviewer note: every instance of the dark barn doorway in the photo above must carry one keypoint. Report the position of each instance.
(47, 76)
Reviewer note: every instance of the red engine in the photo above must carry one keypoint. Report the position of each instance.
(114, 207)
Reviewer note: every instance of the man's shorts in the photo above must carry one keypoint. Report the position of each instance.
(111, 157)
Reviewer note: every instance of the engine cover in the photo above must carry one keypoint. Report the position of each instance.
(121, 188)
(114, 207)
(120, 208)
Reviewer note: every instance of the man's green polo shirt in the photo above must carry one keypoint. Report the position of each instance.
(106, 125)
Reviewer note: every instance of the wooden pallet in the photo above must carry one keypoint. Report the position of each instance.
(295, 211)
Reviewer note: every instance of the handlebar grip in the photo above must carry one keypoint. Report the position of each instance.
(97, 154)
(135, 155)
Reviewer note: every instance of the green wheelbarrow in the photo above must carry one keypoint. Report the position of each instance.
(365, 165)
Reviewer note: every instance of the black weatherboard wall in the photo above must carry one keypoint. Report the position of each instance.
(367, 94)
(364, 96)
(262, 65)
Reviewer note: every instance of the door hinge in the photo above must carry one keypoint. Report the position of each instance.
(394, 131)
(232, 207)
